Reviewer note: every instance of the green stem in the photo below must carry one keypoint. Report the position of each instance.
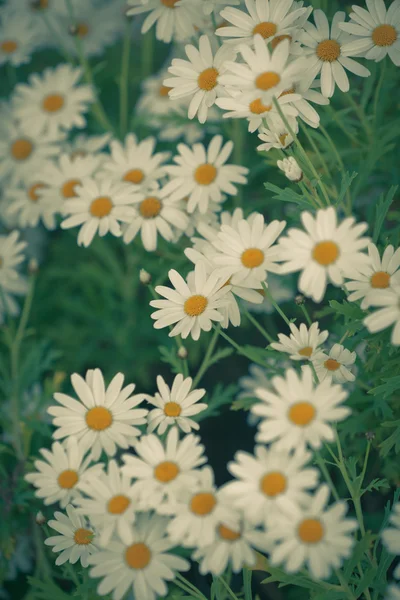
(314, 146)
(364, 469)
(205, 364)
(322, 465)
(358, 109)
(238, 138)
(183, 583)
(228, 589)
(239, 348)
(256, 324)
(305, 313)
(274, 304)
(344, 585)
(378, 91)
(315, 202)
(340, 163)
(342, 127)
(147, 53)
(124, 81)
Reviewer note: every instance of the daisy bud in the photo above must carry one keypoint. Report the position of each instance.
(299, 300)
(291, 169)
(33, 266)
(370, 435)
(73, 29)
(40, 518)
(182, 352)
(144, 277)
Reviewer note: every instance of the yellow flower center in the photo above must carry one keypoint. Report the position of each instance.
(68, 189)
(252, 258)
(82, 29)
(32, 191)
(67, 479)
(207, 80)
(310, 531)
(380, 280)
(273, 484)
(164, 90)
(40, 4)
(195, 305)
(301, 413)
(134, 176)
(9, 46)
(98, 418)
(286, 92)
(205, 174)
(384, 35)
(331, 364)
(172, 409)
(169, 3)
(282, 139)
(203, 504)
(83, 537)
(266, 29)
(150, 207)
(257, 107)
(21, 149)
(53, 103)
(267, 80)
(166, 471)
(307, 351)
(328, 50)
(137, 556)
(101, 207)
(278, 39)
(228, 534)
(118, 504)
(325, 253)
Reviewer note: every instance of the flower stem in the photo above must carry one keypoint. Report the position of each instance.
(274, 304)
(306, 314)
(340, 163)
(256, 324)
(239, 349)
(321, 463)
(205, 364)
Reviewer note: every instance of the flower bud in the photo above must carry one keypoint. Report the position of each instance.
(40, 518)
(291, 169)
(144, 277)
(182, 352)
(299, 299)
(33, 266)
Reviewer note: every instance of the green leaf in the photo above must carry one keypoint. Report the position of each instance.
(221, 396)
(220, 354)
(347, 180)
(169, 356)
(287, 195)
(382, 207)
(376, 484)
(387, 388)
(358, 552)
(365, 582)
(393, 441)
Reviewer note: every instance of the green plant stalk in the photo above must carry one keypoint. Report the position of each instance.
(314, 146)
(239, 348)
(238, 137)
(190, 587)
(378, 91)
(358, 109)
(342, 127)
(274, 304)
(256, 324)
(344, 585)
(228, 589)
(322, 465)
(205, 364)
(124, 81)
(306, 314)
(332, 145)
(315, 202)
(147, 53)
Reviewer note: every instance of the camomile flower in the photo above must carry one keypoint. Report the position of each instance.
(214, 6)
(29, 207)
(377, 274)
(52, 102)
(392, 592)
(325, 51)
(19, 39)
(82, 145)
(103, 418)
(65, 468)
(76, 542)
(11, 282)
(291, 169)
(335, 364)
(313, 536)
(99, 206)
(303, 342)
(163, 469)
(302, 94)
(388, 301)
(391, 536)
(143, 565)
(376, 31)
(192, 305)
(175, 406)
(109, 503)
(299, 412)
(38, 13)
(325, 252)
(277, 135)
(280, 292)
(202, 174)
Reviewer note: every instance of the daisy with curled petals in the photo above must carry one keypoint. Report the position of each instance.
(76, 541)
(53, 101)
(298, 412)
(65, 468)
(302, 94)
(391, 536)
(377, 274)
(144, 564)
(276, 134)
(163, 469)
(99, 207)
(102, 418)
(18, 39)
(202, 175)
(325, 252)
(175, 406)
(110, 504)
(376, 30)
(193, 304)
(314, 536)
(335, 365)
(303, 343)
(388, 314)
(325, 51)
(29, 207)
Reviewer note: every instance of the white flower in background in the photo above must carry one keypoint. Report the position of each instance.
(325, 51)
(38, 13)
(175, 406)
(53, 101)
(376, 31)
(335, 365)
(388, 314)
(277, 135)
(82, 145)
(163, 469)
(11, 282)
(298, 412)
(192, 304)
(313, 536)
(291, 169)
(29, 207)
(392, 592)
(103, 418)
(58, 477)
(303, 343)
(142, 565)
(76, 542)
(22, 559)
(280, 290)
(173, 19)
(99, 207)
(391, 536)
(19, 39)
(214, 6)
(377, 274)
(325, 252)
(202, 175)
(155, 101)
(258, 377)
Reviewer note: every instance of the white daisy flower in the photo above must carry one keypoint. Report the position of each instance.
(277, 135)
(376, 29)
(258, 377)
(163, 469)
(391, 536)
(38, 13)
(19, 39)
(82, 145)
(175, 406)
(53, 101)
(315, 536)
(388, 314)
(278, 287)
(335, 365)
(110, 504)
(29, 207)
(298, 412)
(65, 468)
(377, 274)
(202, 175)
(11, 282)
(76, 539)
(291, 169)
(392, 592)
(102, 418)
(325, 51)
(214, 6)
(302, 93)
(303, 343)
(144, 565)
(192, 304)
(270, 482)
(99, 206)
(326, 252)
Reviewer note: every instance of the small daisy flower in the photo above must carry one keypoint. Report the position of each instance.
(301, 94)
(315, 536)
(192, 304)
(378, 274)
(303, 343)
(163, 470)
(11, 282)
(83, 145)
(29, 207)
(388, 314)
(202, 175)
(214, 6)
(325, 252)
(298, 412)
(58, 477)
(144, 565)
(291, 169)
(335, 364)
(175, 406)
(99, 207)
(326, 52)
(38, 13)
(391, 536)
(76, 541)
(102, 418)
(19, 39)
(377, 31)
(277, 135)
(53, 101)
